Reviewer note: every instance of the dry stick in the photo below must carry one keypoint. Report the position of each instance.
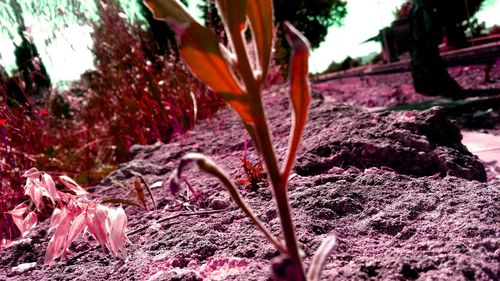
(133, 232)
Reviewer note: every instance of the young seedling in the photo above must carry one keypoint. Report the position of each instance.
(228, 71)
(254, 175)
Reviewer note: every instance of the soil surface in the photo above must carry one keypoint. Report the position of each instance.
(405, 198)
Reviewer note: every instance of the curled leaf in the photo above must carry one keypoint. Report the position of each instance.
(208, 166)
(140, 194)
(96, 224)
(300, 91)
(32, 173)
(34, 191)
(320, 257)
(19, 210)
(24, 224)
(56, 217)
(77, 226)
(72, 185)
(56, 245)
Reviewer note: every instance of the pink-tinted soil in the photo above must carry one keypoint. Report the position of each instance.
(406, 199)
(395, 89)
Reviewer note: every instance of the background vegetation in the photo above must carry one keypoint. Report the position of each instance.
(139, 91)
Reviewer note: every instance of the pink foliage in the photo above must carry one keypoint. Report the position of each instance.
(75, 214)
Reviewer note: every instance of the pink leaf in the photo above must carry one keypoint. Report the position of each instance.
(29, 222)
(17, 215)
(300, 91)
(96, 226)
(34, 191)
(56, 243)
(32, 173)
(57, 214)
(77, 226)
(117, 221)
(72, 185)
(50, 187)
(19, 210)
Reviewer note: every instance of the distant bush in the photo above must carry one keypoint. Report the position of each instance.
(494, 30)
(403, 11)
(135, 95)
(346, 64)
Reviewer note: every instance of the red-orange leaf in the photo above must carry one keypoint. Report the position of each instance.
(232, 13)
(200, 50)
(169, 9)
(140, 194)
(260, 15)
(300, 90)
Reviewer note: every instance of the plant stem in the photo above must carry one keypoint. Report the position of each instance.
(281, 196)
(262, 131)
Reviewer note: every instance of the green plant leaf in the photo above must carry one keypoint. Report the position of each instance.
(300, 91)
(260, 15)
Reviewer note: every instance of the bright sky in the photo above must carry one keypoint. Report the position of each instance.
(364, 20)
(69, 55)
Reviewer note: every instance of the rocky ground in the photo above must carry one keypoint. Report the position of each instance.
(405, 197)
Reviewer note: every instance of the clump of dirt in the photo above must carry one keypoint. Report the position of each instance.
(399, 190)
(413, 143)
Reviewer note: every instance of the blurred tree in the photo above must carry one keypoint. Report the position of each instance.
(430, 21)
(346, 64)
(311, 17)
(211, 17)
(453, 17)
(403, 11)
(30, 67)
